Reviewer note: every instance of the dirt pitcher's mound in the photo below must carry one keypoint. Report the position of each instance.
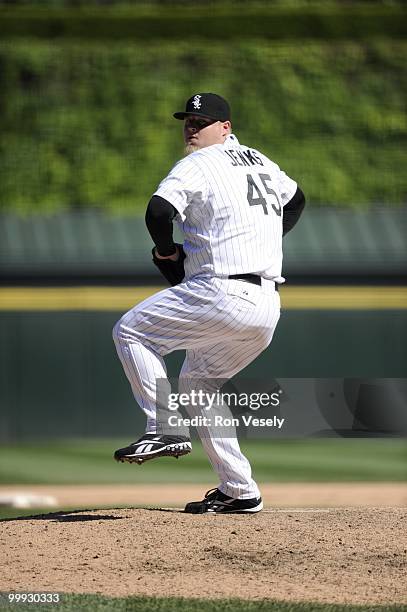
(274, 494)
(328, 555)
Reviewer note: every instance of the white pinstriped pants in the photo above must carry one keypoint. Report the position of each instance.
(223, 325)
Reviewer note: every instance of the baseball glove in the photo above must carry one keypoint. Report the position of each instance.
(173, 271)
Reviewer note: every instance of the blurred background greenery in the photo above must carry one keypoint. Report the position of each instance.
(79, 103)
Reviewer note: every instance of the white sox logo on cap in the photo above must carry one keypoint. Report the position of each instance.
(197, 101)
(208, 105)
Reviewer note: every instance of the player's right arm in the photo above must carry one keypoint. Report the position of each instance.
(292, 199)
(292, 210)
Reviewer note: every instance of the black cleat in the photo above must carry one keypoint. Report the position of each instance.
(218, 502)
(151, 446)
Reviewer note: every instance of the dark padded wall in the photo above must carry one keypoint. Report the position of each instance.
(59, 374)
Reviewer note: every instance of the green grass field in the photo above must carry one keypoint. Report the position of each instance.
(91, 462)
(96, 603)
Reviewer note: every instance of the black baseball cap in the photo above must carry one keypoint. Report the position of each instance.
(206, 105)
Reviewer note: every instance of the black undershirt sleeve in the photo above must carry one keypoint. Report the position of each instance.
(292, 211)
(159, 217)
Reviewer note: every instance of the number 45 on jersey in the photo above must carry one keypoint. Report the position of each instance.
(259, 199)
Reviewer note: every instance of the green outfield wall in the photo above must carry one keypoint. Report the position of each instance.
(59, 374)
(94, 246)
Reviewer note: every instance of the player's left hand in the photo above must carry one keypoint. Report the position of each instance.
(173, 257)
(171, 267)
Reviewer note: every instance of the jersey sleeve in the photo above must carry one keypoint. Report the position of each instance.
(288, 187)
(183, 186)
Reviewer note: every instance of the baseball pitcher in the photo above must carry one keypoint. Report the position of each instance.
(233, 205)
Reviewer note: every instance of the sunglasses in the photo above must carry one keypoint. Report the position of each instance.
(198, 124)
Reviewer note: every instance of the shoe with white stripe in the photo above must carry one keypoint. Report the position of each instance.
(151, 446)
(218, 502)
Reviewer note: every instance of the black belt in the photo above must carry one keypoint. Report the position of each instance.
(250, 278)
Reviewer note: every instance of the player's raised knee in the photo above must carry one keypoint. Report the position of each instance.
(117, 330)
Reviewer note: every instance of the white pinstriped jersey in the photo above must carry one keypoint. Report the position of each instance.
(230, 201)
